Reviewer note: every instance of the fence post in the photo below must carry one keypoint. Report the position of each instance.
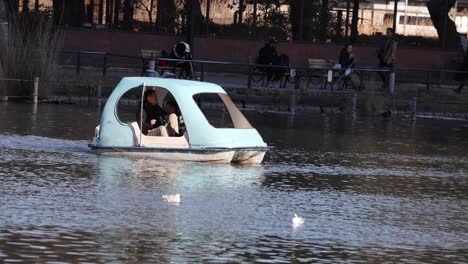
(354, 104)
(99, 90)
(78, 62)
(104, 70)
(391, 83)
(202, 73)
(292, 101)
(249, 80)
(297, 80)
(36, 90)
(414, 107)
(427, 81)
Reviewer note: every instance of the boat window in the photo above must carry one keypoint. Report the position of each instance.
(220, 111)
(129, 105)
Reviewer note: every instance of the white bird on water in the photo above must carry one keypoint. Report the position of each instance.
(297, 221)
(174, 198)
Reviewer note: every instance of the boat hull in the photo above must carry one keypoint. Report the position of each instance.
(245, 156)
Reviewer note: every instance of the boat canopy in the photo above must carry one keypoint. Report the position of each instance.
(115, 133)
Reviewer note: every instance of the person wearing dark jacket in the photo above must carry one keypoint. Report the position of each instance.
(152, 117)
(463, 76)
(387, 53)
(267, 56)
(347, 61)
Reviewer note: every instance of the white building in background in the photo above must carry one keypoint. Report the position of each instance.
(413, 17)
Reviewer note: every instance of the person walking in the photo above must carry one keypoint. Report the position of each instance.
(386, 54)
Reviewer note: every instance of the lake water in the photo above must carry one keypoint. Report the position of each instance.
(370, 190)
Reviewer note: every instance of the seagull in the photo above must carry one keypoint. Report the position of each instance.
(297, 221)
(175, 198)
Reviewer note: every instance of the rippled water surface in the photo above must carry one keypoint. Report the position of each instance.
(370, 190)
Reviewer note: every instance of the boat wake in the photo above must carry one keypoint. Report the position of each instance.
(45, 144)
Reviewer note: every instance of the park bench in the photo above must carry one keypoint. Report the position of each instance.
(147, 55)
(318, 71)
(256, 74)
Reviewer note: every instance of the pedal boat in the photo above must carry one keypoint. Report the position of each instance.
(200, 142)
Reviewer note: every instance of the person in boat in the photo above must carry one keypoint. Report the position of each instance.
(152, 117)
(174, 119)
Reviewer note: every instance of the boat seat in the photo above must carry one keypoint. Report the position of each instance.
(158, 142)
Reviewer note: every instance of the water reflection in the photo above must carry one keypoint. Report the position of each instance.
(370, 190)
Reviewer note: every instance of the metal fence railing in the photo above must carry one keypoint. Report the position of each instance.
(249, 75)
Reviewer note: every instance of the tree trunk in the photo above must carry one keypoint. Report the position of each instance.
(194, 18)
(303, 19)
(69, 12)
(446, 29)
(101, 11)
(128, 14)
(207, 17)
(241, 11)
(117, 8)
(108, 12)
(150, 12)
(90, 13)
(338, 26)
(25, 6)
(324, 19)
(74, 12)
(4, 11)
(354, 21)
(36, 6)
(254, 20)
(57, 7)
(165, 16)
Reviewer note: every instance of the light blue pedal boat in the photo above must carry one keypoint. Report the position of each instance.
(201, 141)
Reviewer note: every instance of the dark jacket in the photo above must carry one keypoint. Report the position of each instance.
(461, 76)
(345, 59)
(267, 55)
(150, 112)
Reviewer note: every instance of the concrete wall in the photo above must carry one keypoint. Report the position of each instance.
(238, 50)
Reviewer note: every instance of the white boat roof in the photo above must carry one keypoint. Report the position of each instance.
(174, 86)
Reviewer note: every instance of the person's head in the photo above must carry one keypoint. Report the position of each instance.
(271, 42)
(390, 32)
(151, 97)
(171, 107)
(348, 48)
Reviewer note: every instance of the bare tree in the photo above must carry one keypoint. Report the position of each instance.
(26, 6)
(148, 6)
(355, 20)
